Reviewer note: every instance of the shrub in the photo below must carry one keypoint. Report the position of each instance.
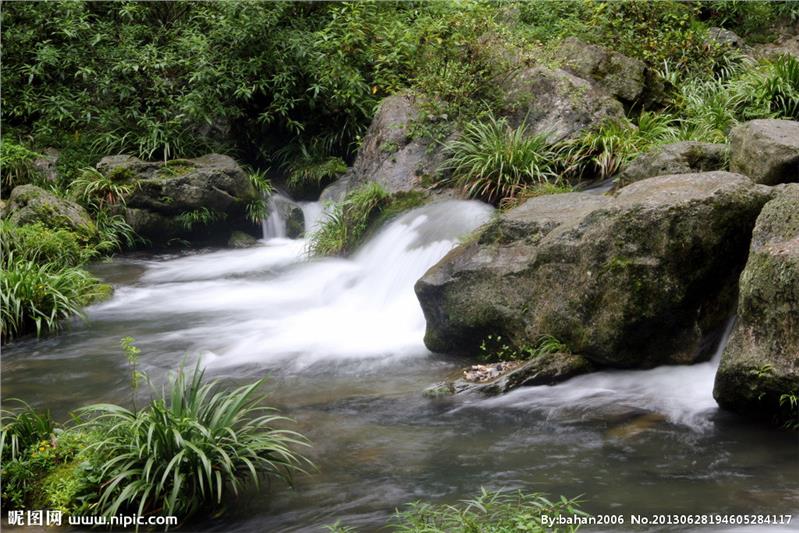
(348, 221)
(492, 160)
(99, 191)
(36, 297)
(40, 244)
(22, 428)
(189, 448)
(16, 163)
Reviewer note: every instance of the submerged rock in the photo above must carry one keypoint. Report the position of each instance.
(29, 204)
(766, 150)
(239, 239)
(209, 193)
(676, 158)
(761, 361)
(629, 281)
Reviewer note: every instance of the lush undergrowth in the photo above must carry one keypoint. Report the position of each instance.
(189, 451)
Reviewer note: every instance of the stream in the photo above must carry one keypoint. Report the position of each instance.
(340, 341)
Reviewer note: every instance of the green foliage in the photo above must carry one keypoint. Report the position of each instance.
(36, 297)
(99, 191)
(22, 428)
(348, 221)
(16, 165)
(601, 153)
(189, 448)
(751, 19)
(257, 209)
(198, 217)
(40, 244)
(113, 233)
(492, 160)
(789, 403)
(490, 512)
(494, 348)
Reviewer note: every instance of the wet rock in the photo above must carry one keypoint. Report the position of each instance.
(677, 158)
(390, 154)
(291, 214)
(239, 239)
(761, 360)
(557, 103)
(29, 204)
(629, 281)
(621, 76)
(213, 185)
(766, 150)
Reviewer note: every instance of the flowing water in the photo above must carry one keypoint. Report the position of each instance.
(341, 342)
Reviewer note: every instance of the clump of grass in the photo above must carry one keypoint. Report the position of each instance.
(492, 160)
(198, 217)
(37, 297)
(490, 512)
(190, 448)
(99, 191)
(257, 209)
(21, 428)
(534, 191)
(495, 348)
(348, 221)
(40, 244)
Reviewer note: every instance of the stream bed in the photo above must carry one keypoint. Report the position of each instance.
(340, 341)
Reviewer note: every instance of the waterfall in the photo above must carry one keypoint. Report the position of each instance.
(274, 226)
(270, 304)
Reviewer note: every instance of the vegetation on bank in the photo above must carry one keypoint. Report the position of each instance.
(192, 448)
(490, 512)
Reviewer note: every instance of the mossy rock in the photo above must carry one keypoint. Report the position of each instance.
(761, 361)
(632, 281)
(29, 204)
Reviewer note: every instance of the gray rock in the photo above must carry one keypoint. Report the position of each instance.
(621, 76)
(557, 103)
(726, 38)
(630, 281)
(761, 360)
(45, 163)
(239, 239)
(390, 155)
(29, 204)
(766, 150)
(213, 183)
(677, 158)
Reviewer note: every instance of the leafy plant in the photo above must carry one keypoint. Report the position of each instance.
(495, 348)
(100, 191)
(257, 209)
(348, 221)
(16, 164)
(198, 217)
(490, 512)
(22, 428)
(36, 297)
(493, 161)
(40, 244)
(189, 448)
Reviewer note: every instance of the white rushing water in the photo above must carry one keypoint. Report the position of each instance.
(682, 394)
(270, 303)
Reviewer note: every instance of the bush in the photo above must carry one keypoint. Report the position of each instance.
(348, 221)
(16, 163)
(98, 191)
(40, 244)
(189, 448)
(490, 512)
(492, 161)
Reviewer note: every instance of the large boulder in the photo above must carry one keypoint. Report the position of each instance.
(761, 361)
(766, 150)
(635, 280)
(390, 154)
(211, 190)
(556, 103)
(676, 158)
(623, 77)
(29, 204)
